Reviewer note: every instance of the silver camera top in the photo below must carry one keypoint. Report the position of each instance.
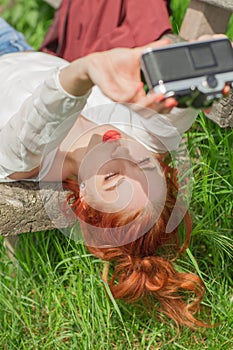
(194, 73)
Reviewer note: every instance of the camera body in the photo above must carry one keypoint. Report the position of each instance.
(194, 73)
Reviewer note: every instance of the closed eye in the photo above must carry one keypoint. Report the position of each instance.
(110, 176)
(117, 179)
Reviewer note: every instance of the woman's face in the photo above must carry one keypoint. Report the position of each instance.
(120, 175)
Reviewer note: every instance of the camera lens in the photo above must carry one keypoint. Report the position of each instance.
(211, 81)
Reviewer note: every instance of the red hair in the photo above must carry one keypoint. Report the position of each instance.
(143, 268)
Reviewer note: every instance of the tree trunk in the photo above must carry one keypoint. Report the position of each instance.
(22, 207)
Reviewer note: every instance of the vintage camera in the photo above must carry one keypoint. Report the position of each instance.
(193, 73)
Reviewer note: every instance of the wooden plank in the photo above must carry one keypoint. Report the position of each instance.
(22, 208)
(227, 4)
(204, 18)
(210, 17)
(222, 112)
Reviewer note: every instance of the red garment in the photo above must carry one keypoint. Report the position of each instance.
(84, 26)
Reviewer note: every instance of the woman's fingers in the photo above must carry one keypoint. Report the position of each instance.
(153, 45)
(211, 36)
(152, 103)
(226, 90)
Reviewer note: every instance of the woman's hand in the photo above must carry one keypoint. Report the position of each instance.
(117, 73)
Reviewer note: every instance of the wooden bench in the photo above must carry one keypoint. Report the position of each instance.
(210, 17)
(206, 17)
(21, 207)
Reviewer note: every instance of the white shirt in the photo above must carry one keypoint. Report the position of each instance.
(36, 113)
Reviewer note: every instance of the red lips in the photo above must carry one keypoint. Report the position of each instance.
(111, 136)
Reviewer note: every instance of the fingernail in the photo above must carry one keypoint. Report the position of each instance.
(140, 86)
(170, 103)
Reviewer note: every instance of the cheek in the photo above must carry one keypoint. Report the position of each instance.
(99, 199)
(157, 193)
(138, 198)
(128, 194)
(92, 194)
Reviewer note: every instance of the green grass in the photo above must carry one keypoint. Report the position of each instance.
(54, 298)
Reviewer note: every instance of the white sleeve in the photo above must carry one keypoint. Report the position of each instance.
(44, 119)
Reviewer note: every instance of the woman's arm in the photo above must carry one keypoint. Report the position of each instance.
(43, 120)
(47, 115)
(117, 73)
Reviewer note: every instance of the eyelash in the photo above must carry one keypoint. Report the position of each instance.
(110, 176)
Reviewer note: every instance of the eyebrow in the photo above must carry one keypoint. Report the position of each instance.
(144, 160)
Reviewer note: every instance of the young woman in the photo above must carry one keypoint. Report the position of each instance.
(90, 125)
